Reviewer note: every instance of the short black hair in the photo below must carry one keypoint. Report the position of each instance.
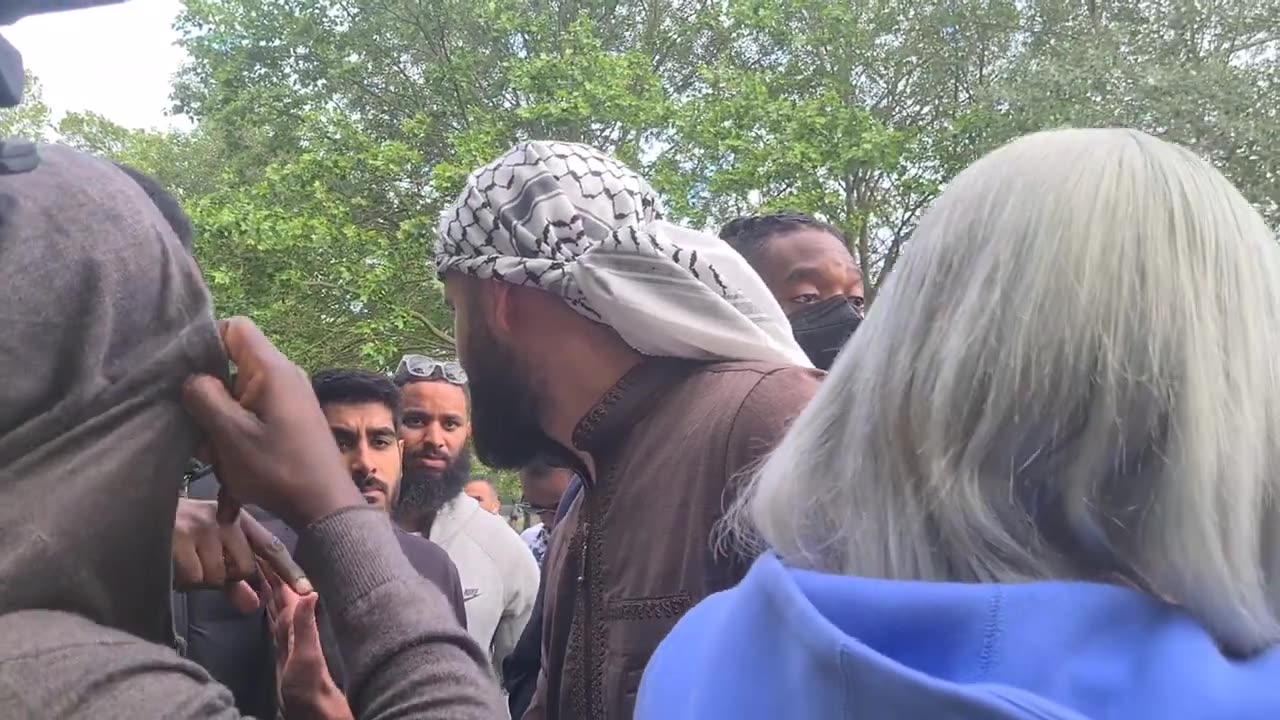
(542, 465)
(749, 233)
(166, 203)
(351, 387)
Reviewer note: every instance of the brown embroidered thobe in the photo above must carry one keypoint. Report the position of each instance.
(636, 549)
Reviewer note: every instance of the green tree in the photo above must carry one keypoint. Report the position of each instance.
(455, 81)
(339, 130)
(445, 74)
(860, 112)
(330, 133)
(322, 252)
(857, 112)
(31, 119)
(1206, 75)
(186, 162)
(313, 249)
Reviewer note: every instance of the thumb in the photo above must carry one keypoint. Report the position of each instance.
(213, 408)
(305, 629)
(242, 597)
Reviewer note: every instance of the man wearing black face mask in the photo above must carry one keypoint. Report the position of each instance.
(808, 268)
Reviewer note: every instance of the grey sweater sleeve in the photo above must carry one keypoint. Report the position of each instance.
(405, 652)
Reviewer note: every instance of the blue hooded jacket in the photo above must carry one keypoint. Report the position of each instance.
(789, 643)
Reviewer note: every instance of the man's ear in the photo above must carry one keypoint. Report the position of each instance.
(502, 308)
(400, 444)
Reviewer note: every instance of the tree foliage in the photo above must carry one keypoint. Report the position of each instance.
(322, 251)
(854, 111)
(1206, 75)
(338, 130)
(32, 119)
(330, 133)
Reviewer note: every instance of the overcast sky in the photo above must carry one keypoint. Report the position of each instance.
(115, 60)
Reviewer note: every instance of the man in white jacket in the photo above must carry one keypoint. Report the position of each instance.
(499, 575)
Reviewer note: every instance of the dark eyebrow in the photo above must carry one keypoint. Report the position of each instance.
(379, 431)
(803, 272)
(341, 432)
(814, 272)
(423, 414)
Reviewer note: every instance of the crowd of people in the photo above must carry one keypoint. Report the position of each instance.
(1034, 480)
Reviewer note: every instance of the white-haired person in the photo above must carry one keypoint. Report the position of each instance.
(1044, 482)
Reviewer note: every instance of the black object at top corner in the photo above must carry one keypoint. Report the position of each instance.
(18, 156)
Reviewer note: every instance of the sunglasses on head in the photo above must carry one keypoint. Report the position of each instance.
(421, 367)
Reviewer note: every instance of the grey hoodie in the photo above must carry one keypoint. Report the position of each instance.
(103, 315)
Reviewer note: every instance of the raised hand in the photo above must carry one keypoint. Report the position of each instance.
(306, 689)
(269, 441)
(210, 554)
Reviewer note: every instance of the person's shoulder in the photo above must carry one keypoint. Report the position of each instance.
(497, 539)
(418, 544)
(427, 557)
(765, 388)
(760, 369)
(774, 397)
(742, 627)
(752, 376)
(29, 633)
(785, 386)
(50, 656)
(489, 529)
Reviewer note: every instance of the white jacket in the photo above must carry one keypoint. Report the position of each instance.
(499, 575)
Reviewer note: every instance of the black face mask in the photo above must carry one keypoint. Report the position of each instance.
(823, 329)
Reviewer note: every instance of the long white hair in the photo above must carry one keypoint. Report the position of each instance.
(1073, 373)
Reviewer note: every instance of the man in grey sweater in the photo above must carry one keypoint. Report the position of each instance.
(106, 331)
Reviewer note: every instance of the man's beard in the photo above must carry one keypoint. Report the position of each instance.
(505, 417)
(423, 492)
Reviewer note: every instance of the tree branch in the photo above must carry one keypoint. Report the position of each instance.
(431, 328)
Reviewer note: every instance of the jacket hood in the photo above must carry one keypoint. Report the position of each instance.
(103, 315)
(810, 645)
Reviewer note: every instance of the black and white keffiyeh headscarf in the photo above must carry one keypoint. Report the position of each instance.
(570, 220)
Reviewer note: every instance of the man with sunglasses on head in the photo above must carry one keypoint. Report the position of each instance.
(499, 575)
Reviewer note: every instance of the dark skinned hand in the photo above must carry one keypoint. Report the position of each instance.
(269, 442)
(211, 554)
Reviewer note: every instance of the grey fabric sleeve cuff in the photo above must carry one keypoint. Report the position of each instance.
(350, 553)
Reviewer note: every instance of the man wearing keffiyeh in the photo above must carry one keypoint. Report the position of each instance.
(648, 355)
